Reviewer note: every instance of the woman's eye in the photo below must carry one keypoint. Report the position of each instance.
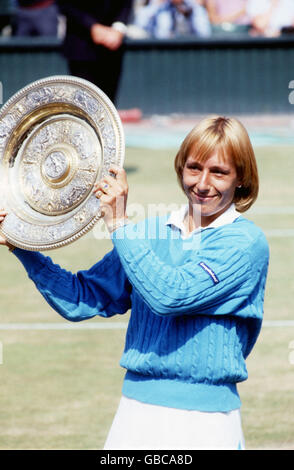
(193, 167)
(220, 172)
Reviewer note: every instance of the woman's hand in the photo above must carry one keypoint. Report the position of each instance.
(3, 241)
(112, 191)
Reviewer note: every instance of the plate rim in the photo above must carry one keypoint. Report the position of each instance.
(120, 138)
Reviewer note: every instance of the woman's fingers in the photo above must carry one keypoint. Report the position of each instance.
(98, 193)
(3, 214)
(120, 174)
(112, 191)
(3, 241)
(115, 184)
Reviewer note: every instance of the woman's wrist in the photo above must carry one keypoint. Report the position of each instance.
(116, 223)
(10, 247)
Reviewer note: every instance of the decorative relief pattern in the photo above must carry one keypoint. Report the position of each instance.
(62, 154)
(56, 171)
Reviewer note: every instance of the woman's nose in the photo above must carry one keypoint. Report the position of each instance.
(203, 181)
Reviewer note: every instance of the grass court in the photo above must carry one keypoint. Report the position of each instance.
(60, 387)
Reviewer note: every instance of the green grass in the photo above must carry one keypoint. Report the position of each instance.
(60, 389)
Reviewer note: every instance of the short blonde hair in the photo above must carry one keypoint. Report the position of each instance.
(229, 137)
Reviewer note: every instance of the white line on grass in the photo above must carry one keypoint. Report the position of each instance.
(265, 210)
(64, 326)
(275, 233)
(104, 326)
(279, 232)
(275, 323)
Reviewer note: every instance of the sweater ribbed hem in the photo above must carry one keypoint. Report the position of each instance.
(181, 395)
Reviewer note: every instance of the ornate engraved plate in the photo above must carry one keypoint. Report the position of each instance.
(58, 136)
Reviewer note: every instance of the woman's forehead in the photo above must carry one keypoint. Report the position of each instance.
(215, 157)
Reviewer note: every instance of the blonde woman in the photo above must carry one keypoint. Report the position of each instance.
(194, 280)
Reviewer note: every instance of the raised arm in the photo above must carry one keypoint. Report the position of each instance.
(223, 277)
(102, 290)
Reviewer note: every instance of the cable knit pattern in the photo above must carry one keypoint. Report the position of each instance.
(197, 307)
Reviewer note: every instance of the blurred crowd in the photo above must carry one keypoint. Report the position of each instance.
(92, 32)
(165, 18)
(172, 18)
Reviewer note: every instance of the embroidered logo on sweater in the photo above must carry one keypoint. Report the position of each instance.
(210, 272)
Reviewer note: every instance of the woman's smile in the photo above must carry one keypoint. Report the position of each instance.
(202, 198)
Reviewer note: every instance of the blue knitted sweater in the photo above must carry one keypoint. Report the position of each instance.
(196, 307)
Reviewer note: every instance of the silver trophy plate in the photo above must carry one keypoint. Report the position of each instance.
(58, 136)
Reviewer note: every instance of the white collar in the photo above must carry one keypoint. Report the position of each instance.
(176, 219)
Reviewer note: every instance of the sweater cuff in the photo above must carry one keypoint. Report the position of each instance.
(119, 26)
(129, 231)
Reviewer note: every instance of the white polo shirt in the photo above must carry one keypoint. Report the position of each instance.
(177, 218)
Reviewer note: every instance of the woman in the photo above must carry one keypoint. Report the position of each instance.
(195, 281)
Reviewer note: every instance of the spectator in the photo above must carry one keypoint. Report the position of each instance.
(269, 17)
(179, 18)
(94, 38)
(36, 18)
(143, 13)
(6, 14)
(228, 15)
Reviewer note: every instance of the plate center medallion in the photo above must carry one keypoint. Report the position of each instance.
(55, 166)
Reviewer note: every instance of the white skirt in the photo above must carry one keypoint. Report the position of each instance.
(142, 426)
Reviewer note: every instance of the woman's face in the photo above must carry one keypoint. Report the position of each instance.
(210, 185)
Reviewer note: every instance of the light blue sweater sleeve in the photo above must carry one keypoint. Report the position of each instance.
(226, 275)
(102, 290)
